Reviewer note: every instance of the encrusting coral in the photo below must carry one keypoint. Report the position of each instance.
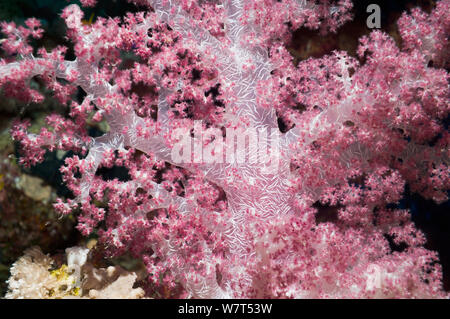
(33, 277)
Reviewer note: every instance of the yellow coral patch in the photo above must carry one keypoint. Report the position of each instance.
(75, 291)
(60, 273)
(88, 22)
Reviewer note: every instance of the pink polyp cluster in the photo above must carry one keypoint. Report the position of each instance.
(317, 226)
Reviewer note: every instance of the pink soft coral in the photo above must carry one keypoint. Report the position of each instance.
(239, 229)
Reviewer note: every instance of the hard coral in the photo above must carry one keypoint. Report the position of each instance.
(32, 277)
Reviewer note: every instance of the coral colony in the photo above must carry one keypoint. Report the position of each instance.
(219, 202)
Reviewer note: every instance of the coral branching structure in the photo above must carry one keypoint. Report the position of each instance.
(318, 217)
